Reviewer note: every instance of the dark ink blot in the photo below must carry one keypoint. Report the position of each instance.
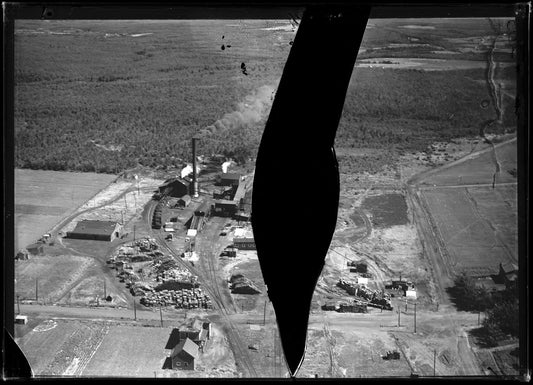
(222, 47)
(290, 42)
(228, 46)
(222, 36)
(243, 69)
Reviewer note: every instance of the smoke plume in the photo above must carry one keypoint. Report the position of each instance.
(225, 166)
(249, 112)
(188, 170)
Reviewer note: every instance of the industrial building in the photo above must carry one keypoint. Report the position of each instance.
(225, 208)
(244, 243)
(229, 179)
(175, 187)
(96, 230)
(230, 202)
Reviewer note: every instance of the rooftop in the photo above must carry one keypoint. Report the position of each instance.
(95, 227)
(188, 346)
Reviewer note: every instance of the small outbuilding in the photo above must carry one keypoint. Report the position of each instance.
(21, 319)
(35, 248)
(96, 230)
(508, 273)
(184, 201)
(184, 354)
(22, 255)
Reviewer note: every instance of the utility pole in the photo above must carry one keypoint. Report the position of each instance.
(161, 314)
(134, 310)
(434, 361)
(18, 304)
(264, 313)
(415, 317)
(399, 312)
(105, 291)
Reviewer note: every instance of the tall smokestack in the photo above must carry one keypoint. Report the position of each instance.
(194, 176)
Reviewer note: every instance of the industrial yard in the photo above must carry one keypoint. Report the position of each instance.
(152, 271)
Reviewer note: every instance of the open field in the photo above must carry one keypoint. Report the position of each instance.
(90, 291)
(351, 354)
(55, 275)
(58, 347)
(473, 242)
(44, 198)
(144, 348)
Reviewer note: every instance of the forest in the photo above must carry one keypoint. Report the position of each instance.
(95, 96)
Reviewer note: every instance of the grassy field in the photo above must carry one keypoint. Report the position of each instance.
(43, 198)
(480, 169)
(130, 351)
(53, 274)
(469, 233)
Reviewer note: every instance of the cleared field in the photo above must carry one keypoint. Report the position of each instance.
(43, 198)
(387, 209)
(131, 351)
(498, 207)
(54, 275)
(473, 243)
(354, 354)
(90, 291)
(57, 347)
(480, 169)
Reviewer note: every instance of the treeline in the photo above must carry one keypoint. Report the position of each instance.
(501, 307)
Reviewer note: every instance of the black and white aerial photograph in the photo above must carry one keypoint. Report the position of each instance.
(139, 251)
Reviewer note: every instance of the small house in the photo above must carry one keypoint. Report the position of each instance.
(21, 319)
(184, 354)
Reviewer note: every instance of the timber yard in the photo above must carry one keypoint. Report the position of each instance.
(153, 271)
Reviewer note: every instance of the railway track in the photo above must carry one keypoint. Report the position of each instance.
(209, 281)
